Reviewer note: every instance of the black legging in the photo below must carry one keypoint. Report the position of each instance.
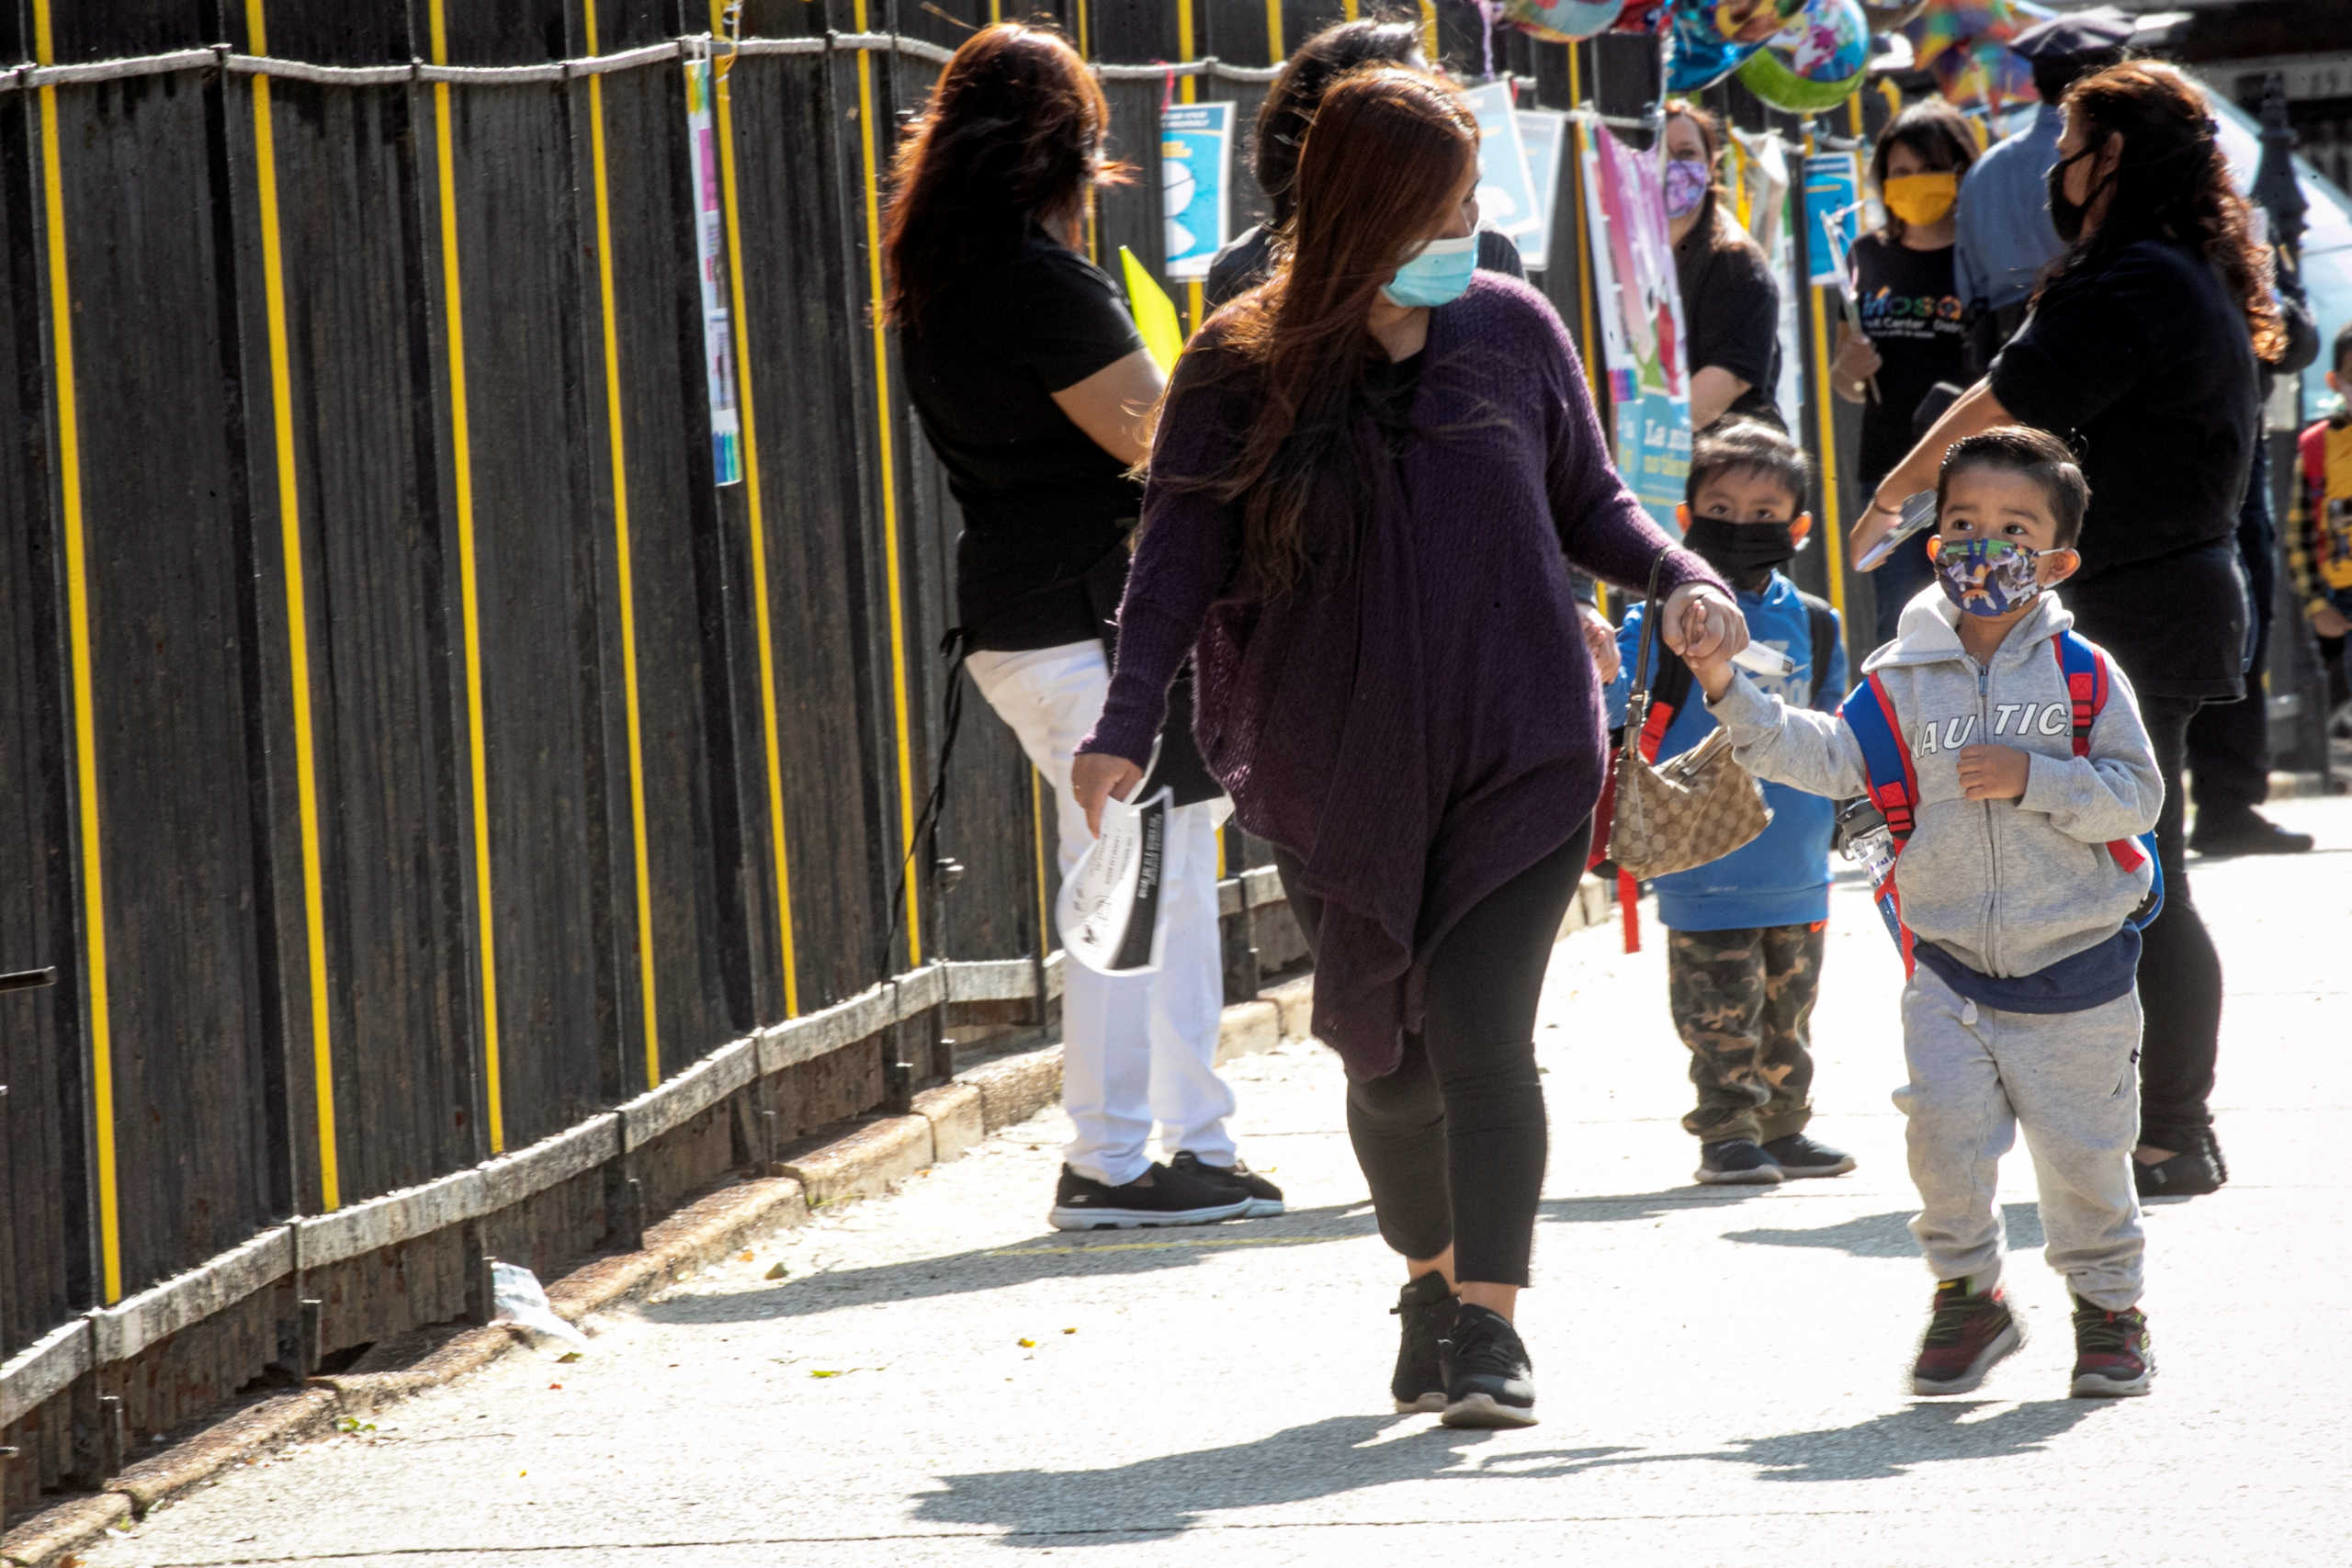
(2180, 973)
(1453, 1142)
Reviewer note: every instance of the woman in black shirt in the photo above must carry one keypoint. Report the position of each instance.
(1912, 333)
(2144, 348)
(1034, 387)
(1731, 303)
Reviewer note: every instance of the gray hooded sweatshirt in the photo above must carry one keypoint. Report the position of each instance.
(2008, 887)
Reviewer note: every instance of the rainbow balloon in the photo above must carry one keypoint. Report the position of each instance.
(1815, 64)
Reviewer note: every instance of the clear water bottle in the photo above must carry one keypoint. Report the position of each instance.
(1864, 837)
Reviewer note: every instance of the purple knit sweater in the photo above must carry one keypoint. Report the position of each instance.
(1430, 727)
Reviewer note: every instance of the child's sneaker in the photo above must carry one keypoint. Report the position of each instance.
(1736, 1162)
(1964, 1337)
(1488, 1381)
(2111, 1354)
(1797, 1155)
(1425, 1310)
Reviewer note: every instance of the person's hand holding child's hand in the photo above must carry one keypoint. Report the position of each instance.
(1993, 772)
(1706, 628)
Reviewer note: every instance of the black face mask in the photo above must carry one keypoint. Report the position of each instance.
(1744, 552)
(2065, 215)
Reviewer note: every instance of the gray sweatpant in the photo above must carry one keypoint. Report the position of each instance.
(1977, 1073)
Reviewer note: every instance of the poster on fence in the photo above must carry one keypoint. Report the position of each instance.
(1506, 195)
(1833, 215)
(710, 242)
(1195, 159)
(1543, 133)
(1642, 336)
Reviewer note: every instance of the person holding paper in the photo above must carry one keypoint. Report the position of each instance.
(1731, 302)
(2144, 347)
(1912, 331)
(1033, 388)
(1369, 482)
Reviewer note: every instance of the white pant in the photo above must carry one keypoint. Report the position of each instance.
(1142, 1045)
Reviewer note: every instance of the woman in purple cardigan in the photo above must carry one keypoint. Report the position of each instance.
(1371, 477)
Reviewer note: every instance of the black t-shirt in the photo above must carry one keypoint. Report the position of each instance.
(1249, 260)
(1042, 503)
(1911, 313)
(1731, 313)
(2148, 363)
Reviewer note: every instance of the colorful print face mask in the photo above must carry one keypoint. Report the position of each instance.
(1986, 577)
(1685, 186)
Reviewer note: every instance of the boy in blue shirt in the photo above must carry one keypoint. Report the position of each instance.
(1744, 933)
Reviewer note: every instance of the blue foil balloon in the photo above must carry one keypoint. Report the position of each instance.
(1697, 53)
(1817, 63)
(1562, 21)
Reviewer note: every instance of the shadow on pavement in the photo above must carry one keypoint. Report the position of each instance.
(1888, 1235)
(1166, 1495)
(1075, 1254)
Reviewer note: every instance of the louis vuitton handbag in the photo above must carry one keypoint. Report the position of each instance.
(1696, 807)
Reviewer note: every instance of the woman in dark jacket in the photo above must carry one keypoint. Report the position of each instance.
(2144, 348)
(1370, 478)
(1731, 303)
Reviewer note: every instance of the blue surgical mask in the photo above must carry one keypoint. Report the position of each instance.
(1437, 274)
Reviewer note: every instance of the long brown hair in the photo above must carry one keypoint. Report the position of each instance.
(1389, 148)
(1014, 137)
(2172, 183)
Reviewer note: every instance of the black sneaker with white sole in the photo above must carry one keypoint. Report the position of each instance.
(1425, 1310)
(1158, 1197)
(1489, 1381)
(1736, 1162)
(1797, 1155)
(1265, 1198)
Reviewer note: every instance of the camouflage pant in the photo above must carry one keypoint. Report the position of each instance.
(1742, 1002)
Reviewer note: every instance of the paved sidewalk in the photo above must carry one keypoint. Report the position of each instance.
(942, 1379)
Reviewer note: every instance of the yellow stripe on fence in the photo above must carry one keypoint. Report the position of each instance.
(722, 108)
(621, 556)
(298, 636)
(866, 132)
(462, 460)
(77, 616)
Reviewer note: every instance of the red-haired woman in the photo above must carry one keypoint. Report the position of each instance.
(1371, 477)
(1034, 387)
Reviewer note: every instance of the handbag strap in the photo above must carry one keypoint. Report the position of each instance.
(1637, 707)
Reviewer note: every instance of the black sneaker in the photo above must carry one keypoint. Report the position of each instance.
(2192, 1173)
(2246, 833)
(1158, 1197)
(1425, 1310)
(2112, 1360)
(1797, 1155)
(1731, 1162)
(1488, 1381)
(1265, 1198)
(1965, 1335)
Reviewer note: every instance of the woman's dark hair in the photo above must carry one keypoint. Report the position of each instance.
(1936, 133)
(1723, 232)
(1390, 149)
(1748, 446)
(2171, 183)
(1291, 102)
(2037, 456)
(1012, 137)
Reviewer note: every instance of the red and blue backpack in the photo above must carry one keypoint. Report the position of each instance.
(1894, 781)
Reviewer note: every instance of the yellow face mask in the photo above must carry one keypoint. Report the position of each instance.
(1922, 198)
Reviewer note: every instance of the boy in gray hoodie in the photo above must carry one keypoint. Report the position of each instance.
(2016, 886)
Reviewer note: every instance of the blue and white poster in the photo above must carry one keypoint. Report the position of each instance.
(1195, 159)
(1506, 194)
(1833, 215)
(1543, 133)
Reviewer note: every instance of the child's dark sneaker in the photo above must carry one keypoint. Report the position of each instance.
(2111, 1354)
(1488, 1381)
(1425, 1310)
(1964, 1337)
(1265, 1198)
(1732, 1162)
(1158, 1197)
(1797, 1155)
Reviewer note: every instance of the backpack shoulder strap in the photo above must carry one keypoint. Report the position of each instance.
(1669, 692)
(1869, 712)
(2085, 668)
(1821, 628)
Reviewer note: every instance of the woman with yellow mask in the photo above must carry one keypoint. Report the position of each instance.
(1912, 335)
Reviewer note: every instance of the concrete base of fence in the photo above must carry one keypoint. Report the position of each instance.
(865, 1162)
